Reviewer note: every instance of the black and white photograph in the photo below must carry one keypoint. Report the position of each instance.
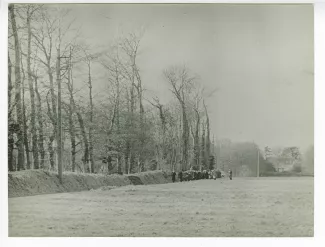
(160, 120)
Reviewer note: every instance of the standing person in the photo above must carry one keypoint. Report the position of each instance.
(230, 174)
(174, 176)
(218, 173)
(188, 176)
(180, 176)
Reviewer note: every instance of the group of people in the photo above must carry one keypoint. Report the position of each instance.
(197, 175)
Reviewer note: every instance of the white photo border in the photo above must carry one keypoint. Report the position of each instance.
(319, 123)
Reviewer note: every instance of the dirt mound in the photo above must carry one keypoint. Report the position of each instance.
(35, 182)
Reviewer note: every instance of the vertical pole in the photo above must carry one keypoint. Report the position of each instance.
(258, 162)
(59, 134)
(219, 156)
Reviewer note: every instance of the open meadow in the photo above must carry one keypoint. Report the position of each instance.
(243, 207)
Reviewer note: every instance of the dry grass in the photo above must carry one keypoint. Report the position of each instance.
(205, 208)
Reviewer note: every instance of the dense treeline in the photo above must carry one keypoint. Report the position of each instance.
(120, 129)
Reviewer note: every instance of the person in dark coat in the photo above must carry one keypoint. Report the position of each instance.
(174, 176)
(189, 176)
(180, 176)
(230, 174)
(218, 174)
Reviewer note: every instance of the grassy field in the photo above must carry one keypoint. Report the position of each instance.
(243, 207)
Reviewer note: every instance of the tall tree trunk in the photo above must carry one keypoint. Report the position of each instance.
(141, 108)
(179, 144)
(26, 143)
(208, 142)
(53, 96)
(10, 150)
(70, 114)
(19, 112)
(74, 110)
(10, 88)
(157, 157)
(53, 117)
(196, 141)
(25, 128)
(117, 110)
(133, 106)
(141, 112)
(163, 128)
(51, 149)
(203, 146)
(130, 124)
(127, 144)
(127, 158)
(185, 138)
(142, 129)
(72, 132)
(130, 162)
(59, 116)
(117, 117)
(10, 147)
(40, 125)
(51, 138)
(11, 130)
(32, 95)
(85, 158)
(91, 155)
(73, 140)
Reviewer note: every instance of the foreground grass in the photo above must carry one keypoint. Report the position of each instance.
(261, 207)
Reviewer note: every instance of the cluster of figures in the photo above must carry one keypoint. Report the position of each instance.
(197, 175)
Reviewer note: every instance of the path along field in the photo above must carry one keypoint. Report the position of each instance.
(250, 207)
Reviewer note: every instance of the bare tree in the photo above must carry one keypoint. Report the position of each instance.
(71, 111)
(11, 123)
(44, 41)
(161, 148)
(129, 123)
(25, 128)
(30, 11)
(204, 160)
(40, 122)
(115, 77)
(89, 58)
(130, 45)
(197, 113)
(19, 110)
(53, 134)
(181, 81)
(208, 142)
(59, 116)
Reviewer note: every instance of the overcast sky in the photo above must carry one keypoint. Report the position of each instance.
(259, 57)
